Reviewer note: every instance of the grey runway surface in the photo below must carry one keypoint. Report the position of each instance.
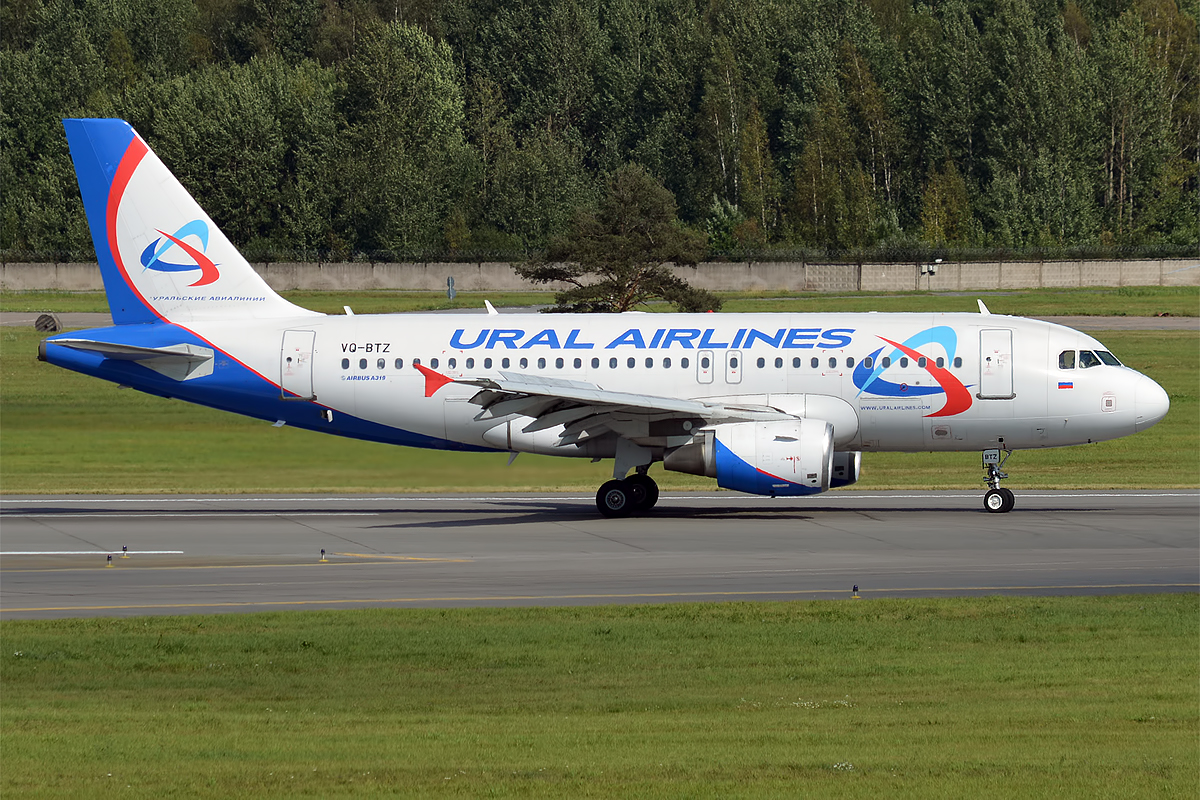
(190, 555)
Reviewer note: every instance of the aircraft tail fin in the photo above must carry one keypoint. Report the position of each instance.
(161, 257)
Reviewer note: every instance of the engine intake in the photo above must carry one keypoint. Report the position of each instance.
(785, 458)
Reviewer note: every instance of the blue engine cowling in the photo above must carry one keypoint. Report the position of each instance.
(785, 458)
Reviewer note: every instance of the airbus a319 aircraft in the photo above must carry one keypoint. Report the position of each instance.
(769, 404)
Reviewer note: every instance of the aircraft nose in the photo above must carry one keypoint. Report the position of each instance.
(1151, 403)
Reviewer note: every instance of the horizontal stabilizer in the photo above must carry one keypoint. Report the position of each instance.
(180, 362)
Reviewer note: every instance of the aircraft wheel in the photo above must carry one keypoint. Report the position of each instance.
(1010, 500)
(995, 501)
(615, 499)
(644, 491)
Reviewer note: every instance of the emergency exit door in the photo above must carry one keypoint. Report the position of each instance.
(295, 365)
(995, 365)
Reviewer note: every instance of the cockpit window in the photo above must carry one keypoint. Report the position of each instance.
(1108, 358)
(1088, 359)
(1066, 359)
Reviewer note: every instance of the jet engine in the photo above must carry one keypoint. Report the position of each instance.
(784, 458)
(846, 466)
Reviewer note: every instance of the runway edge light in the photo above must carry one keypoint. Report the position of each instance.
(855, 596)
(324, 560)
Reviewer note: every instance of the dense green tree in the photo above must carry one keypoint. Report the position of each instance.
(1134, 112)
(618, 257)
(477, 128)
(403, 110)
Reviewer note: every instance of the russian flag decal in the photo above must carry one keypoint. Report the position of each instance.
(1066, 384)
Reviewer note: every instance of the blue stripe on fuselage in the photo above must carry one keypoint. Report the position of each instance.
(232, 386)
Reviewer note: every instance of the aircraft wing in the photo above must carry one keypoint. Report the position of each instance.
(587, 410)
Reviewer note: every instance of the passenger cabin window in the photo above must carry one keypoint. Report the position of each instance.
(1088, 359)
(470, 363)
(433, 363)
(380, 364)
(612, 363)
(887, 361)
(778, 363)
(362, 363)
(595, 363)
(451, 363)
(345, 363)
(578, 363)
(683, 362)
(796, 362)
(630, 362)
(958, 361)
(868, 362)
(849, 362)
(666, 363)
(762, 362)
(941, 362)
(816, 362)
(524, 362)
(1066, 359)
(541, 363)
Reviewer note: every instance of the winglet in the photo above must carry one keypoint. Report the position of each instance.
(433, 380)
(491, 308)
(982, 308)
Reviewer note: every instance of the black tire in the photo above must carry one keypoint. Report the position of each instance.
(995, 501)
(614, 499)
(1010, 500)
(643, 490)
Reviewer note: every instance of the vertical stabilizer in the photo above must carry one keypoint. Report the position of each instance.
(161, 256)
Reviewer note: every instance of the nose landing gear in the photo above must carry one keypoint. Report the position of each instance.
(996, 500)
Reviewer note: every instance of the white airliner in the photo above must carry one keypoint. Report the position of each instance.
(770, 404)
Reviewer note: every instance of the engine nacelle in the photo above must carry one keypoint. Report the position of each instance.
(846, 466)
(785, 458)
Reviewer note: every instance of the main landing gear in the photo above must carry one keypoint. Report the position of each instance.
(996, 500)
(621, 498)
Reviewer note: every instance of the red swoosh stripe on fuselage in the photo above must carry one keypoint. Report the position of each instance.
(958, 397)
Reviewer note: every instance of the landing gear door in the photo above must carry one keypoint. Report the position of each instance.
(295, 365)
(995, 365)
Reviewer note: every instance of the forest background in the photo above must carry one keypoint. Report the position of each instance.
(477, 129)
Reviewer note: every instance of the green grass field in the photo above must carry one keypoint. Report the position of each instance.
(996, 697)
(61, 432)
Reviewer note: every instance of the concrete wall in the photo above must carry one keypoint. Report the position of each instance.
(736, 276)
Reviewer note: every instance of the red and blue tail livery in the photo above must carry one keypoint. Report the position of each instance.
(771, 404)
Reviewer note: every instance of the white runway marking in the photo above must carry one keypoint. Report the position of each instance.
(680, 497)
(90, 552)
